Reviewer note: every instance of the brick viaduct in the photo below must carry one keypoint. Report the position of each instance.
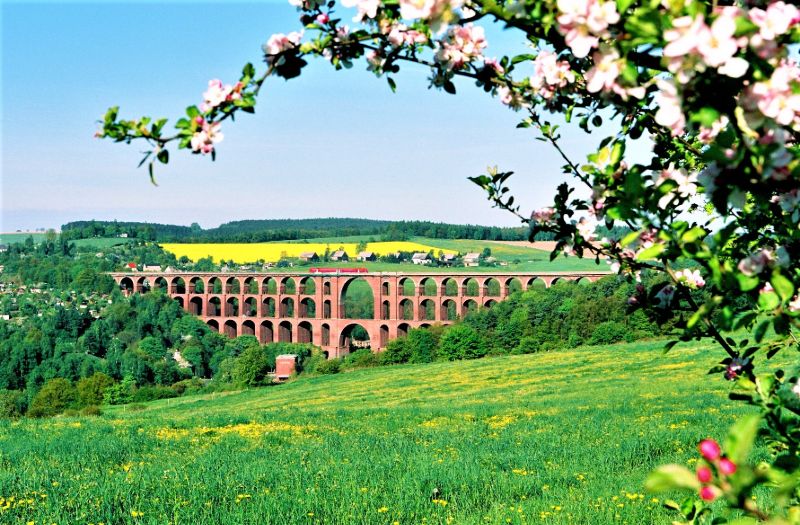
(310, 308)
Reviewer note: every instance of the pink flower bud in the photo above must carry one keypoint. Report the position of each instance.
(708, 493)
(709, 449)
(199, 120)
(726, 466)
(704, 474)
(322, 18)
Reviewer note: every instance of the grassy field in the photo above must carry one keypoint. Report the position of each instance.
(518, 258)
(11, 238)
(557, 438)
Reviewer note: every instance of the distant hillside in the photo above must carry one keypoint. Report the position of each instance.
(290, 229)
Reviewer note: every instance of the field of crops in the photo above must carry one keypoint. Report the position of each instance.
(557, 438)
(274, 251)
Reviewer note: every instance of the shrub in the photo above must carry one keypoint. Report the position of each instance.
(91, 411)
(396, 352)
(188, 386)
(608, 333)
(92, 389)
(421, 346)
(251, 367)
(527, 345)
(461, 342)
(361, 359)
(56, 396)
(329, 366)
(121, 393)
(12, 403)
(151, 393)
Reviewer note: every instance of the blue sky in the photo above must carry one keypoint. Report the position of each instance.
(326, 144)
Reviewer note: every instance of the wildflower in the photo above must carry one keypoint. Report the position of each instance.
(709, 449)
(383, 510)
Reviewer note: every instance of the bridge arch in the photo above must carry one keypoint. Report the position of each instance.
(512, 285)
(327, 311)
(326, 287)
(536, 283)
(386, 309)
(214, 307)
(427, 310)
(178, 285)
(196, 306)
(384, 335)
(160, 284)
(308, 286)
(250, 308)
(402, 330)
(385, 288)
(213, 324)
(196, 285)
(248, 327)
(406, 310)
(325, 333)
(357, 299)
(352, 336)
(285, 332)
(449, 310)
(268, 307)
(266, 333)
(179, 300)
(470, 305)
(250, 286)
(288, 286)
(126, 285)
(232, 307)
(428, 287)
(470, 287)
(231, 329)
(305, 333)
(488, 303)
(214, 285)
(449, 287)
(406, 287)
(308, 308)
(491, 287)
(269, 286)
(232, 285)
(287, 307)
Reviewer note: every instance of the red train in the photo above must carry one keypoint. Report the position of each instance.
(338, 270)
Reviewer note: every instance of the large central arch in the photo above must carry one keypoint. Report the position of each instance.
(357, 299)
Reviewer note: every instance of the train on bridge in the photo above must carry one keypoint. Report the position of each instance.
(310, 307)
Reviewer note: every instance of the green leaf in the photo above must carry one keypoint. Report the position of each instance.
(163, 156)
(392, 84)
(741, 437)
(747, 283)
(782, 286)
(651, 252)
(671, 477)
(768, 300)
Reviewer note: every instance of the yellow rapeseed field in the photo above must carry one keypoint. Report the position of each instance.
(274, 251)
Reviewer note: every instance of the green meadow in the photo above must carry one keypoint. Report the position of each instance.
(561, 438)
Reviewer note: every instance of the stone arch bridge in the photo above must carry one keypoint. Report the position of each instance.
(310, 308)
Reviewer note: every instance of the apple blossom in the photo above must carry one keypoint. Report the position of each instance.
(203, 141)
(669, 113)
(776, 20)
(543, 215)
(755, 263)
(308, 5)
(375, 62)
(709, 449)
(461, 45)
(583, 21)
(437, 12)
(366, 8)
(512, 98)
(279, 43)
(704, 474)
(777, 97)
(726, 466)
(399, 34)
(708, 493)
(796, 388)
(690, 279)
(794, 304)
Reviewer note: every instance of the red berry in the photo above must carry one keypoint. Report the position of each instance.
(704, 474)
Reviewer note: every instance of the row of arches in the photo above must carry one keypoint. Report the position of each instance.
(407, 310)
(471, 286)
(352, 336)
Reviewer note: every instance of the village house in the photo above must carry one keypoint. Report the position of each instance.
(309, 257)
(472, 259)
(366, 256)
(448, 259)
(421, 258)
(151, 268)
(339, 255)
